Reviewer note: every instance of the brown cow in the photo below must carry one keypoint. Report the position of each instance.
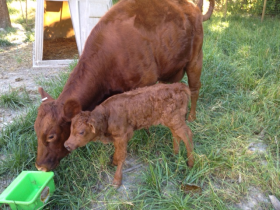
(135, 44)
(116, 118)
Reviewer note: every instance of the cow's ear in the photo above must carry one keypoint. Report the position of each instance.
(71, 108)
(45, 96)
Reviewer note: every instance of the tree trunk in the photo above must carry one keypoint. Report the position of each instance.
(4, 15)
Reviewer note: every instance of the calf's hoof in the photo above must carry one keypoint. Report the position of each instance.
(191, 118)
(112, 162)
(116, 184)
(190, 164)
(176, 151)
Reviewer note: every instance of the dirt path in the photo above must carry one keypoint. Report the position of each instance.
(17, 73)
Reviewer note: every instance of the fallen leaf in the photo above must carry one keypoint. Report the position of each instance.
(18, 79)
(191, 188)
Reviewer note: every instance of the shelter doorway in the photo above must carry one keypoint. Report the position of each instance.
(59, 41)
(60, 32)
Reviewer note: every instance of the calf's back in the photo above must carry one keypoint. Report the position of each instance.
(143, 107)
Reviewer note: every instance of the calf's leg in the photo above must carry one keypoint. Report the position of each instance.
(126, 137)
(176, 143)
(183, 133)
(120, 143)
(119, 158)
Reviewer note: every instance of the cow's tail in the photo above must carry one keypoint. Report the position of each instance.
(207, 15)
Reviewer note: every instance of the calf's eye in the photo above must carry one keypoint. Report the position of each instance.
(82, 133)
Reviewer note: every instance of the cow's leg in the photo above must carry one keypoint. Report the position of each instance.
(184, 133)
(193, 71)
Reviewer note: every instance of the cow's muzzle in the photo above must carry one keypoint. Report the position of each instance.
(40, 168)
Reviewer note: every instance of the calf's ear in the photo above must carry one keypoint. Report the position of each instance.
(71, 108)
(45, 96)
(91, 125)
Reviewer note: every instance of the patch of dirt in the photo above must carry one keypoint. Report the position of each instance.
(15, 58)
(257, 145)
(132, 171)
(254, 200)
(17, 73)
(5, 181)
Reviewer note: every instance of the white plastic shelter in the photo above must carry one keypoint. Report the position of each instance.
(84, 15)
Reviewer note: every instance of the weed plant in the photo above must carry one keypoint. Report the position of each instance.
(15, 99)
(5, 43)
(5, 37)
(238, 109)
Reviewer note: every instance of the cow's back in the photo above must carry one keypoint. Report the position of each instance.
(139, 42)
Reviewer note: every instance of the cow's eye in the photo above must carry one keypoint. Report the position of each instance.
(51, 138)
(82, 133)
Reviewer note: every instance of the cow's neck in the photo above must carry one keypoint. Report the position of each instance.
(84, 85)
(90, 82)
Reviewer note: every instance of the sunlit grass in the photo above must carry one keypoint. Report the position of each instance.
(220, 26)
(21, 30)
(17, 11)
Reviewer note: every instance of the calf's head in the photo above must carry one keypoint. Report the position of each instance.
(52, 127)
(82, 131)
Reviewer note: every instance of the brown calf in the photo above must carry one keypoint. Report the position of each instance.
(117, 117)
(135, 44)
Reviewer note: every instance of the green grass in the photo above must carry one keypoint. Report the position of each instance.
(5, 43)
(15, 98)
(18, 15)
(239, 105)
(15, 12)
(5, 37)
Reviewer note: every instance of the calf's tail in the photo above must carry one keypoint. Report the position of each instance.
(186, 90)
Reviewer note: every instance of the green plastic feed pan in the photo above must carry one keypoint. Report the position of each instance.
(30, 190)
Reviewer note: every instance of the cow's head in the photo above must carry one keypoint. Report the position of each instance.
(52, 127)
